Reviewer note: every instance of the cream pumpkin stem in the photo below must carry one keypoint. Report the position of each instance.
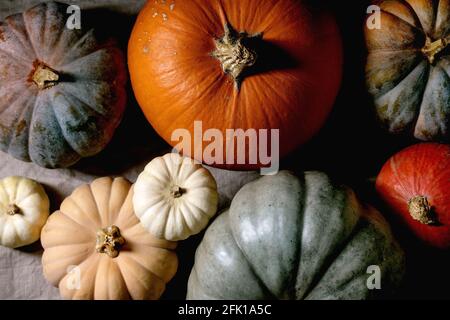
(420, 210)
(13, 209)
(44, 77)
(432, 48)
(109, 241)
(234, 56)
(176, 192)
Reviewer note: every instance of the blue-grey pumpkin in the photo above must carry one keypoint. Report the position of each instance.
(296, 237)
(408, 67)
(62, 91)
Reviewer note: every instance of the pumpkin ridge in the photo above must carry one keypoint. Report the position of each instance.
(421, 29)
(132, 258)
(65, 93)
(19, 36)
(260, 281)
(31, 41)
(92, 225)
(16, 58)
(110, 199)
(74, 61)
(133, 274)
(25, 120)
(400, 84)
(60, 63)
(416, 14)
(58, 121)
(80, 257)
(14, 97)
(90, 266)
(184, 218)
(110, 264)
(337, 252)
(103, 215)
(64, 133)
(157, 244)
(252, 268)
(87, 229)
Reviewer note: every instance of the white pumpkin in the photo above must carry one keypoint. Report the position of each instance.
(175, 197)
(24, 209)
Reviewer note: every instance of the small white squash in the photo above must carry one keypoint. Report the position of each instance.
(175, 197)
(24, 209)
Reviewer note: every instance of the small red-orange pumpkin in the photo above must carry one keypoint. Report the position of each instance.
(245, 64)
(415, 183)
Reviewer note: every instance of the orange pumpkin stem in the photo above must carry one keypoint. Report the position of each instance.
(420, 210)
(44, 76)
(234, 56)
(13, 210)
(432, 48)
(109, 241)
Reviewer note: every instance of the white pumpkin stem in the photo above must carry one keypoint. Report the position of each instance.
(233, 55)
(44, 76)
(176, 192)
(13, 210)
(432, 48)
(109, 241)
(420, 210)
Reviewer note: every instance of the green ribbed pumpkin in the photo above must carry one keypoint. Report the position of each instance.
(62, 91)
(289, 237)
(408, 68)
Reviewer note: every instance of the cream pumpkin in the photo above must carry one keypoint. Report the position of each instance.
(95, 247)
(175, 197)
(24, 208)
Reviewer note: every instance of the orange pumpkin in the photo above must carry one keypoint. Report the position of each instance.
(245, 64)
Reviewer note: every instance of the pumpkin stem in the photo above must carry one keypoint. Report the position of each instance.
(432, 48)
(176, 191)
(234, 56)
(421, 211)
(13, 210)
(44, 76)
(109, 241)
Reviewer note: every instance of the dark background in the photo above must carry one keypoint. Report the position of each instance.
(351, 147)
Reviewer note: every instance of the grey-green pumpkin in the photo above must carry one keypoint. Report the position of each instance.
(62, 91)
(296, 237)
(408, 67)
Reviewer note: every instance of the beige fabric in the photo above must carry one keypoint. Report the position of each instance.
(20, 270)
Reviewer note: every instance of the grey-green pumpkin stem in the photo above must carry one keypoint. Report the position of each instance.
(44, 76)
(432, 48)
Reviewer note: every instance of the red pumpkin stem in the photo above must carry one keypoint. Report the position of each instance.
(234, 56)
(420, 210)
(44, 76)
